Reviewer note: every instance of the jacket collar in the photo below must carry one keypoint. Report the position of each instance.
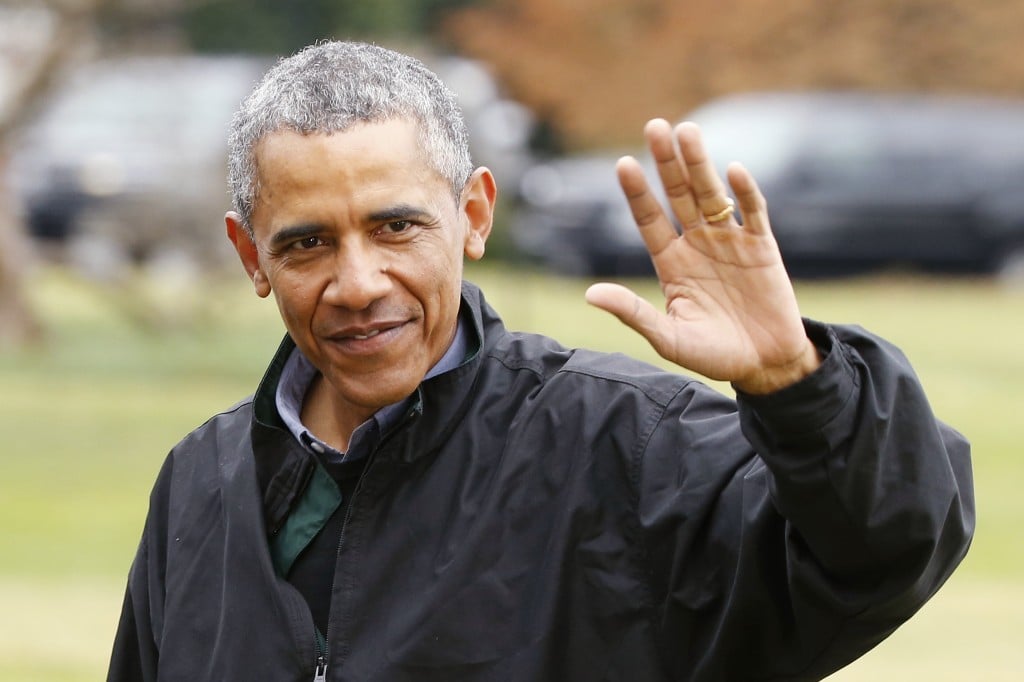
(282, 465)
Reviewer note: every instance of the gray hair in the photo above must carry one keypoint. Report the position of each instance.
(329, 87)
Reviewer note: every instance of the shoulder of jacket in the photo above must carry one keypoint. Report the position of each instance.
(237, 416)
(213, 444)
(592, 370)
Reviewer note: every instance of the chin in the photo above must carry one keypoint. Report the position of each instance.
(386, 393)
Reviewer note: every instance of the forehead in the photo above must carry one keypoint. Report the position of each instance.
(377, 143)
(354, 170)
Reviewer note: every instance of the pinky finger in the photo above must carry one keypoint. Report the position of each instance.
(752, 204)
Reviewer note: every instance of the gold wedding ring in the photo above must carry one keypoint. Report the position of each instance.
(724, 213)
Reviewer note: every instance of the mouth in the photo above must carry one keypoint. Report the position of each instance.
(368, 339)
(369, 331)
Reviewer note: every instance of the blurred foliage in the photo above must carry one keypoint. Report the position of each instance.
(283, 27)
(600, 69)
(595, 71)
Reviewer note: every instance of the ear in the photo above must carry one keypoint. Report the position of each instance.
(478, 199)
(247, 252)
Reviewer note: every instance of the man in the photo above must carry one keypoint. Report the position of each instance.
(416, 493)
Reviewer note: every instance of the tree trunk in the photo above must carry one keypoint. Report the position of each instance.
(19, 326)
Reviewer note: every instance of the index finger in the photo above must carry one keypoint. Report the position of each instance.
(655, 228)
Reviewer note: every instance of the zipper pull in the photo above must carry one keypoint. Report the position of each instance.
(321, 669)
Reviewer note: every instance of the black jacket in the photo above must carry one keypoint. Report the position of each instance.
(552, 514)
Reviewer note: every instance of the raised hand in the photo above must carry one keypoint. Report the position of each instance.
(730, 311)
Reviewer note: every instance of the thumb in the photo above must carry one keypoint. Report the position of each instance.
(632, 310)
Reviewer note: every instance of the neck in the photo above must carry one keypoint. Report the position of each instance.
(331, 423)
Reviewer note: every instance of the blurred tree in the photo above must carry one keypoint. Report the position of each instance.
(602, 68)
(56, 31)
(272, 27)
(38, 40)
(19, 325)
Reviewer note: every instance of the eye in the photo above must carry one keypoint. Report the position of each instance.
(397, 226)
(308, 243)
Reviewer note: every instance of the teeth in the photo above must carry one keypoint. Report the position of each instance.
(367, 336)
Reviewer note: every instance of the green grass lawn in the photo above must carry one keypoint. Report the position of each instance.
(86, 421)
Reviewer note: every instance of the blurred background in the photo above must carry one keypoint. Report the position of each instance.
(887, 135)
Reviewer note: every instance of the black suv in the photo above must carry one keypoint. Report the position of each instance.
(853, 181)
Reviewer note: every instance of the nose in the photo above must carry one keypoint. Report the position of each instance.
(359, 277)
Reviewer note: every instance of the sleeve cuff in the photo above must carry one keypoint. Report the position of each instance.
(813, 402)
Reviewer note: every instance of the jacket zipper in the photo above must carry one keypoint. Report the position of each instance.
(320, 648)
(320, 671)
(320, 675)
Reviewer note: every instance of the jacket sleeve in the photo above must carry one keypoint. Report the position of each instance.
(787, 542)
(135, 654)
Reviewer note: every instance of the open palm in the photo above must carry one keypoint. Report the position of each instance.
(730, 311)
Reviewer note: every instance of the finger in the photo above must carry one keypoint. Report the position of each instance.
(633, 311)
(672, 172)
(752, 203)
(708, 188)
(655, 228)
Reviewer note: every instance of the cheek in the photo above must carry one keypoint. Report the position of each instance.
(449, 294)
(445, 273)
(435, 283)
(295, 300)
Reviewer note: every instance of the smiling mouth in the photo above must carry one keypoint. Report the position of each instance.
(386, 331)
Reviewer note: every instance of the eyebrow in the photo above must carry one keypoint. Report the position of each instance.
(400, 212)
(390, 214)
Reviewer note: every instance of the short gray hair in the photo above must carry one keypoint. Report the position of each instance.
(329, 87)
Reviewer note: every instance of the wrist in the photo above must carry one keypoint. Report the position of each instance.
(773, 379)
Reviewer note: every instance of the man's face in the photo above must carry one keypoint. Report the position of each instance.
(361, 243)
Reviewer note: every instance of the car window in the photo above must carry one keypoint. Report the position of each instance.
(762, 142)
